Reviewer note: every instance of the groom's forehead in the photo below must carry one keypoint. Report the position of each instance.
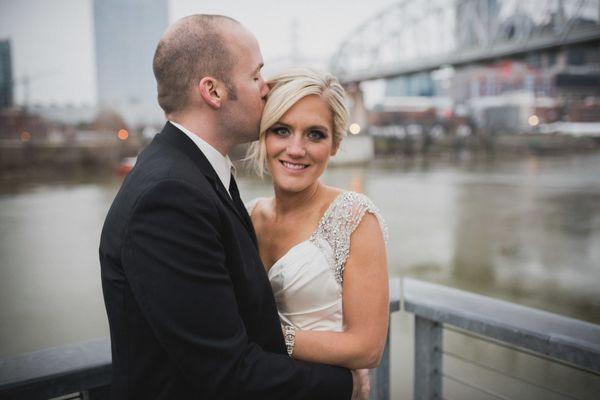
(236, 36)
(245, 49)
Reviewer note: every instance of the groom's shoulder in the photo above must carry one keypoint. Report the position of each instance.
(158, 173)
(159, 163)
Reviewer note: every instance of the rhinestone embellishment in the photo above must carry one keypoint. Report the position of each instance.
(337, 225)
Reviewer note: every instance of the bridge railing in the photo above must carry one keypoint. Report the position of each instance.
(83, 369)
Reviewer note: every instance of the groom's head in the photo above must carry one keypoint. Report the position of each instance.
(210, 64)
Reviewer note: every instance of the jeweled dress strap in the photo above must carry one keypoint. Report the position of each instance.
(339, 222)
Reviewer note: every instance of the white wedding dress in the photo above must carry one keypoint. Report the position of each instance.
(307, 280)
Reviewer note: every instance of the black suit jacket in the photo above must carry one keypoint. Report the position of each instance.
(189, 305)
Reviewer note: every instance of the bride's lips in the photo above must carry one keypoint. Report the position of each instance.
(293, 167)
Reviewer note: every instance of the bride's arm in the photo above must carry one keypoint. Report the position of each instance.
(365, 301)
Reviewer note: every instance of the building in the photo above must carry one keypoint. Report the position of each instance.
(6, 79)
(126, 34)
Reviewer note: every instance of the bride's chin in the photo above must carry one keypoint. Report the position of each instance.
(290, 187)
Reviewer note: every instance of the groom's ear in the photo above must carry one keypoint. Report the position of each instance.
(211, 92)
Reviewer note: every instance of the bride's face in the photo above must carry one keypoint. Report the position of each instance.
(300, 144)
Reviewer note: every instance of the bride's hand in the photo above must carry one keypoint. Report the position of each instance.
(361, 386)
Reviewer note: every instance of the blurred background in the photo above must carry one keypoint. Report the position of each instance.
(475, 127)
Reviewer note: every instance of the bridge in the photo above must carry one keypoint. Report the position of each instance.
(549, 42)
(416, 36)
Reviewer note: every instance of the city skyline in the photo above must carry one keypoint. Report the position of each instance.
(53, 42)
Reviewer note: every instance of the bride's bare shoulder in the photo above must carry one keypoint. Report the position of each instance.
(259, 207)
(331, 193)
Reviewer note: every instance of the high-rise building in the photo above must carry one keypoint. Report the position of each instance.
(6, 80)
(126, 34)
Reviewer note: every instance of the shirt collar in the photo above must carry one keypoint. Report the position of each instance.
(221, 164)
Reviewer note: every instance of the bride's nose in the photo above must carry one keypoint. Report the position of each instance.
(296, 147)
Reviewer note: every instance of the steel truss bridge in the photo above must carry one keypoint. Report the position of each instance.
(417, 36)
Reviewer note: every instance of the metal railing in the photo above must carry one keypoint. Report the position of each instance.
(556, 338)
(84, 369)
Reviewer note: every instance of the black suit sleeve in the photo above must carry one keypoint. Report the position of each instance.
(174, 261)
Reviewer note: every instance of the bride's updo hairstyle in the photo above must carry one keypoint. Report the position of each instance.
(286, 89)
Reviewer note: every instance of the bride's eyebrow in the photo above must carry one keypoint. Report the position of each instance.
(312, 127)
(320, 127)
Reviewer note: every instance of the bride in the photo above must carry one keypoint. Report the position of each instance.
(322, 247)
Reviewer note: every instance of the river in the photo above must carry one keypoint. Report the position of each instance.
(526, 230)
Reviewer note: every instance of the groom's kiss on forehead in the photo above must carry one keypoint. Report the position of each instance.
(248, 90)
(208, 71)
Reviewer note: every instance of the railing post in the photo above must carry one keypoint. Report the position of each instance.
(98, 393)
(380, 377)
(428, 359)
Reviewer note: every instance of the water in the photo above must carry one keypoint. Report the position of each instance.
(525, 230)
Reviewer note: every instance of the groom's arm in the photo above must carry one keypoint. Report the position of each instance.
(175, 264)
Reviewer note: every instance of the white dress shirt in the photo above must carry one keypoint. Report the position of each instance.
(220, 163)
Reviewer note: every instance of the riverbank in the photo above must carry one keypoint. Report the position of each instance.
(91, 151)
(20, 159)
(481, 144)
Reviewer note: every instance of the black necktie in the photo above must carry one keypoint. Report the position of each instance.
(235, 195)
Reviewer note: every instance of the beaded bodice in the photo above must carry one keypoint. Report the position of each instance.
(337, 225)
(307, 280)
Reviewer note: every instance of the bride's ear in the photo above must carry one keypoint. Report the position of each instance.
(334, 149)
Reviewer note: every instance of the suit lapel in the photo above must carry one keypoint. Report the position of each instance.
(179, 140)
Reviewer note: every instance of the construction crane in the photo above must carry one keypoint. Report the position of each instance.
(26, 79)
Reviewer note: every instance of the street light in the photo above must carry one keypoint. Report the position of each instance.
(354, 128)
(533, 120)
(25, 136)
(123, 134)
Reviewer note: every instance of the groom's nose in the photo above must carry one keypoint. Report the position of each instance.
(264, 91)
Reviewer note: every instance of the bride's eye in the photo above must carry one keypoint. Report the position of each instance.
(280, 131)
(316, 134)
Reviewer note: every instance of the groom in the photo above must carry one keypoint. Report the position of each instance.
(190, 308)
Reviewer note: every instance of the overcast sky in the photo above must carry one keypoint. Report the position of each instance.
(52, 40)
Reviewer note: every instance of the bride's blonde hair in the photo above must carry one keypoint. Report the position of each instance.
(286, 89)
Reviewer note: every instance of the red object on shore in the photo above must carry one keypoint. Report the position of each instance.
(126, 165)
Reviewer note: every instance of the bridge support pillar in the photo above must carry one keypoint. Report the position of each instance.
(357, 108)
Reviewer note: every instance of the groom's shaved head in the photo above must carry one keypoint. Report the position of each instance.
(192, 48)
